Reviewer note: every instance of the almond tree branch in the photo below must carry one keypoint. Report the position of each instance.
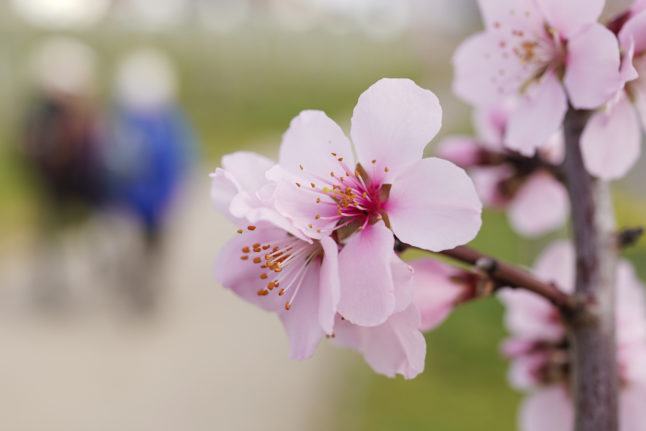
(591, 331)
(508, 275)
(505, 274)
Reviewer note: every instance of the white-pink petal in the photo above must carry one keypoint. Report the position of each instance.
(394, 347)
(330, 285)
(309, 142)
(464, 151)
(547, 409)
(592, 75)
(611, 140)
(301, 321)
(538, 115)
(539, 206)
(556, 265)
(392, 122)
(435, 292)
(367, 289)
(477, 63)
(570, 16)
(434, 206)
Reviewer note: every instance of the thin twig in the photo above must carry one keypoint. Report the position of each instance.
(508, 275)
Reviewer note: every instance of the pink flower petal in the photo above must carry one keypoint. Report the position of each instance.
(464, 151)
(234, 186)
(330, 285)
(301, 321)
(394, 347)
(592, 75)
(248, 169)
(309, 142)
(490, 124)
(529, 316)
(523, 371)
(367, 290)
(538, 115)
(487, 182)
(547, 409)
(403, 275)
(295, 199)
(632, 400)
(528, 212)
(638, 88)
(434, 205)
(634, 30)
(556, 265)
(572, 15)
(435, 292)
(243, 276)
(501, 15)
(223, 189)
(392, 123)
(477, 65)
(611, 141)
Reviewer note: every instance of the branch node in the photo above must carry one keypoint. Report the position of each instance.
(629, 236)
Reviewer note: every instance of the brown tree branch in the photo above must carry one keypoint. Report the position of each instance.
(509, 275)
(505, 274)
(591, 331)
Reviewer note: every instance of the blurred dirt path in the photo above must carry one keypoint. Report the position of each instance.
(205, 361)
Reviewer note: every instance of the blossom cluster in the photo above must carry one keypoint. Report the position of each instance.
(317, 229)
(540, 351)
(537, 57)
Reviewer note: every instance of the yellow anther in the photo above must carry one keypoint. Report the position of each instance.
(313, 185)
(298, 184)
(318, 216)
(245, 249)
(251, 227)
(300, 166)
(244, 257)
(239, 231)
(287, 305)
(256, 260)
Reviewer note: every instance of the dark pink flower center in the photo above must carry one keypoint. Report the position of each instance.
(356, 198)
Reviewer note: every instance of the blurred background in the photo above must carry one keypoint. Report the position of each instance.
(112, 114)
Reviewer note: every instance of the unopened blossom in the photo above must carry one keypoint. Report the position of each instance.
(438, 289)
(611, 140)
(547, 53)
(388, 189)
(508, 180)
(540, 352)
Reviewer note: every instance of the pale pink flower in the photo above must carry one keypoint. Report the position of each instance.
(611, 141)
(428, 203)
(505, 179)
(527, 46)
(540, 353)
(272, 265)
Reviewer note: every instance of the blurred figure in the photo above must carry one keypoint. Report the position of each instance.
(60, 146)
(148, 156)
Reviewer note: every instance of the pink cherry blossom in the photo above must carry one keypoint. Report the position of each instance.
(429, 203)
(611, 141)
(540, 353)
(505, 179)
(272, 265)
(527, 46)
